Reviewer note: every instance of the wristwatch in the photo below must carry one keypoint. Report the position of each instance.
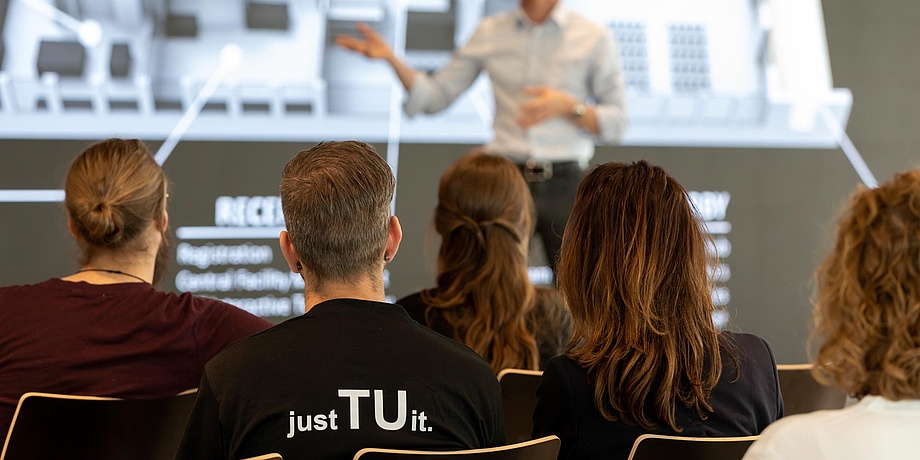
(578, 110)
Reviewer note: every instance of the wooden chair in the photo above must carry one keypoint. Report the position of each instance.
(802, 393)
(658, 447)
(538, 449)
(50, 427)
(519, 397)
(266, 457)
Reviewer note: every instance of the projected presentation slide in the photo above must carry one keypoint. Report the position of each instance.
(702, 73)
(237, 77)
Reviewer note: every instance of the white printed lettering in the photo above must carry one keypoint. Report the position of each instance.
(320, 422)
(353, 396)
(400, 411)
(300, 425)
(332, 417)
(421, 422)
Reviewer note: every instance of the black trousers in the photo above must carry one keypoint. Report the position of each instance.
(554, 198)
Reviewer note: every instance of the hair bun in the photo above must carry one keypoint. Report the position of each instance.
(104, 224)
(114, 190)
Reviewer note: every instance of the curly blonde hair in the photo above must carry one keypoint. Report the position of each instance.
(867, 311)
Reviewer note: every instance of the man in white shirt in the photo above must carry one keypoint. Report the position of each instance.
(558, 88)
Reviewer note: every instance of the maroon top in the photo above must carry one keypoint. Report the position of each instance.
(126, 340)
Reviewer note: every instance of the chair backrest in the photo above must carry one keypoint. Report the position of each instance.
(802, 393)
(519, 397)
(656, 447)
(537, 449)
(266, 457)
(50, 426)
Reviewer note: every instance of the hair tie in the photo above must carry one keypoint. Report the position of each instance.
(475, 227)
(464, 221)
(504, 225)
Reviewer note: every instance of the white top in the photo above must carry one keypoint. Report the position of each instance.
(874, 428)
(567, 52)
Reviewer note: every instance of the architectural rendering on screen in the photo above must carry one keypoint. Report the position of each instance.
(710, 72)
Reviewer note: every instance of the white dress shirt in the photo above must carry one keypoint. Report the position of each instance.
(567, 52)
(874, 428)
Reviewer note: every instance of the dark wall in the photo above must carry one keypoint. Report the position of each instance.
(783, 206)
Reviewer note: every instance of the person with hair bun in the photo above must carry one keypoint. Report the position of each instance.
(645, 355)
(867, 316)
(106, 330)
(483, 298)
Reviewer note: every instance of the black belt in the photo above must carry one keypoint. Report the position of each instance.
(544, 170)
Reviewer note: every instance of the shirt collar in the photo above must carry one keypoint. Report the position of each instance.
(356, 306)
(558, 16)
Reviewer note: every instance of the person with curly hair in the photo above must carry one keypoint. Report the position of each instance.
(867, 316)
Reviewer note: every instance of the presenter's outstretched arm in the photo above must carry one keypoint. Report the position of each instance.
(375, 47)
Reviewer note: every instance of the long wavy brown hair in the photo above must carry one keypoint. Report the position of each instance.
(867, 309)
(485, 217)
(633, 270)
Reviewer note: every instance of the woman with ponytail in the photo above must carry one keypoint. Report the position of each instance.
(483, 298)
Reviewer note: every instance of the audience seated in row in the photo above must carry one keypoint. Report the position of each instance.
(645, 356)
(483, 298)
(353, 371)
(106, 330)
(867, 316)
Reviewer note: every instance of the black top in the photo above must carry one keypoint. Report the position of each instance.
(741, 407)
(552, 324)
(346, 375)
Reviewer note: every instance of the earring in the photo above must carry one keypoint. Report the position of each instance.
(386, 256)
(299, 266)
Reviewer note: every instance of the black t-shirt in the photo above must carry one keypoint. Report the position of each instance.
(743, 402)
(346, 375)
(550, 321)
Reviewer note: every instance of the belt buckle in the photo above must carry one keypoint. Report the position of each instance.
(538, 170)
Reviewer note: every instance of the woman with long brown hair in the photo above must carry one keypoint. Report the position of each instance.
(105, 330)
(484, 298)
(867, 316)
(645, 356)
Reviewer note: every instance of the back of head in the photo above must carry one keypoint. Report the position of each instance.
(633, 270)
(868, 300)
(485, 217)
(114, 190)
(336, 202)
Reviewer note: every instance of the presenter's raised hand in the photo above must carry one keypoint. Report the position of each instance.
(372, 45)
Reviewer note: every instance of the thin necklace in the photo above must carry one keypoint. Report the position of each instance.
(114, 272)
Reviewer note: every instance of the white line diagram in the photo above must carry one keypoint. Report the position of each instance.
(750, 73)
